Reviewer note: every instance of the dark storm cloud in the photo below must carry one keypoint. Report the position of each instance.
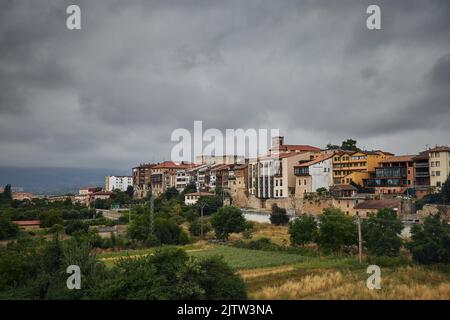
(111, 93)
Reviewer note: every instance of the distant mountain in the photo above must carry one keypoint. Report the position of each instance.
(55, 180)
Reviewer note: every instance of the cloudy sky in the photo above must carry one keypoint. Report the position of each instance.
(110, 95)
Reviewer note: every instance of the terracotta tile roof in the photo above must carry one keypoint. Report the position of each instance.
(343, 187)
(173, 165)
(296, 147)
(404, 158)
(24, 223)
(378, 204)
(439, 149)
(317, 160)
(199, 194)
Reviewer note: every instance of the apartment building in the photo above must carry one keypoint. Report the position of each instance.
(214, 160)
(355, 166)
(393, 175)
(118, 182)
(238, 185)
(439, 165)
(314, 174)
(142, 179)
(421, 174)
(164, 175)
(183, 178)
(278, 146)
(273, 176)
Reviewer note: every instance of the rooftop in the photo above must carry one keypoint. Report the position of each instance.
(378, 204)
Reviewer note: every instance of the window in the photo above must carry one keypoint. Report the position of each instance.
(304, 182)
(281, 193)
(276, 193)
(438, 184)
(281, 183)
(276, 183)
(432, 163)
(438, 173)
(438, 163)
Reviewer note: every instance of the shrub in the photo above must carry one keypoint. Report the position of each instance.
(76, 226)
(195, 227)
(336, 230)
(431, 241)
(303, 230)
(381, 233)
(228, 220)
(278, 216)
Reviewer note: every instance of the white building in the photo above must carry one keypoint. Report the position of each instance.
(183, 178)
(192, 198)
(118, 182)
(314, 174)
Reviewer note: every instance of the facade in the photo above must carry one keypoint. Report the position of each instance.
(394, 175)
(439, 161)
(141, 179)
(273, 176)
(224, 159)
(312, 175)
(355, 166)
(118, 182)
(88, 190)
(192, 198)
(278, 146)
(164, 176)
(421, 174)
(238, 186)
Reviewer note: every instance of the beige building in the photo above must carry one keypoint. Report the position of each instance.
(439, 162)
(192, 198)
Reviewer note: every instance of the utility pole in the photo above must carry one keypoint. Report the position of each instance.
(151, 216)
(358, 220)
(202, 205)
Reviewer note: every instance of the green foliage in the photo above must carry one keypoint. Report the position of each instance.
(171, 193)
(171, 274)
(51, 217)
(445, 191)
(278, 216)
(303, 230)
(228, 220)
(349, 145)
(102, 203)
(336, 230)
(210, 204)
(166, 230)
(195, 227)
(76, 226)
(190, 188)
(431, 241)
(8, 229)
(381, 233)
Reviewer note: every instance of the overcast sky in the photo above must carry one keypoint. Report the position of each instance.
(110, 95)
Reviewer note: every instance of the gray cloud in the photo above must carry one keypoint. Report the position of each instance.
(111, 94)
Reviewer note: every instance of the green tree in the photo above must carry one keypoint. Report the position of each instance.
(303, 230)
(76, 226)
(195, 227)
(170, 274)
(278, 215)
(336, 230)
(130, 191)
(51, 217)
(349, 145)
(228, 220)
(210, 204)
(381, 233)
(190, 188)
(8, 229)
(445, 191)
(431, 241)
(171, 193)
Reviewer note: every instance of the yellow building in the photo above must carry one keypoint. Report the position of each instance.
(355, 166)
(439, 163)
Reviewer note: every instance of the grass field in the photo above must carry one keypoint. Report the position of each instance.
(281, 275)
(239, 258)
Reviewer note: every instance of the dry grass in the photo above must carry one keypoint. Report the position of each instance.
(308, 285)
(278, 234)
(404, 283)
(255, 273)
